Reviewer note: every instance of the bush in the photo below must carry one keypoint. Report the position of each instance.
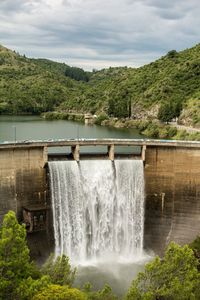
(181, 135)
(142, 125)
(56, 292)
(152, 130)
(104, 294)
(172, 131)
(169, 110)
(59, 270)
(195, 246)
(50, 116)
(172, 54)
(100, 118)
(163, 133)
(29, 287)
(174, 277)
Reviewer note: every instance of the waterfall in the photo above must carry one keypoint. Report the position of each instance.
(98, 208)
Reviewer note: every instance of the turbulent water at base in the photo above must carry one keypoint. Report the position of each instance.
(98, 209)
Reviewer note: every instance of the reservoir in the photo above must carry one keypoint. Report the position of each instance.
(21, 128)
(37, 128)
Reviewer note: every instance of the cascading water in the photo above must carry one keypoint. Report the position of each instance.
(98, 208)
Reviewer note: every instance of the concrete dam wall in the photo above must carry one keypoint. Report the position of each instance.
(22, 178)
(172, 177)
(172, 190)
(23, 183)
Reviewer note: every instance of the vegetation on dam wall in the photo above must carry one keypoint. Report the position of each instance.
(164, 89)
(175, 276)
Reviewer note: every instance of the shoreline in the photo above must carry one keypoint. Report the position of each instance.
(149, 128)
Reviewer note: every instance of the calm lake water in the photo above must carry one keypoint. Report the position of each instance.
(21, 128)
(117, 274)
(35, 127)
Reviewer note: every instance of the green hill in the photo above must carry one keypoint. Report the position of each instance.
(168, 87)
(33, 86)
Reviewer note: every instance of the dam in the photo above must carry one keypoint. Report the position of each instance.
(171, 185)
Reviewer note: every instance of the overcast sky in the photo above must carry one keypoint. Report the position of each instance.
(99, 33)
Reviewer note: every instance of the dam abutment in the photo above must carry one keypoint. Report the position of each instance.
(172, 186)
(22, 178)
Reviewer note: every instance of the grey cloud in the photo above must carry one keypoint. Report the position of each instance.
(10, 5)
(100, 33)
(17, 6)
(171, 10)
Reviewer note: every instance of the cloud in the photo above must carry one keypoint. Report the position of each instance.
(10, 6)
(97, 34)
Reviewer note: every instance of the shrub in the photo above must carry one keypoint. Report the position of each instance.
(181, 135)
(169, 110)
(142, 125)
(29, 287)
(172, 131)
(152, 130)
(104, 294)
(59, 270)
(172, 54)
(174, 277)
(57, 292)
(100, 118)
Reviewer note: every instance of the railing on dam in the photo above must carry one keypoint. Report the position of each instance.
(76, 144)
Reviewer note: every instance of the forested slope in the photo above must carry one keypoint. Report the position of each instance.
(168, 87)
(32, 86)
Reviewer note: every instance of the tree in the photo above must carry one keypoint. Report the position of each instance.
(77, 74)
(57, 292)
(59, 270)
(15, 264)
(165, 112)
(29, 287)
(19, 277)
(174, 277)
(169, 110)
(104, 294)
(172, 54)
(195, 246)
(100, 118)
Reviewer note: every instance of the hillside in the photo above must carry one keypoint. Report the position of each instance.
(32, 86)
(170, 85)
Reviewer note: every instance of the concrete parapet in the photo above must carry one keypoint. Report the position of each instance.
(101, 142)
